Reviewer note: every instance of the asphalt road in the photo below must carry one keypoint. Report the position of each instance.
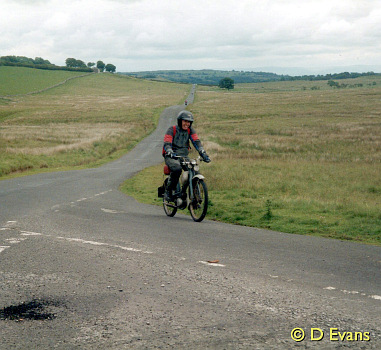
(82, 266)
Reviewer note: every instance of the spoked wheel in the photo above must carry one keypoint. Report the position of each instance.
(169, 207)
(199, 206)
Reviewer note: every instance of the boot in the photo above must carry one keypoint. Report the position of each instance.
(168, 194)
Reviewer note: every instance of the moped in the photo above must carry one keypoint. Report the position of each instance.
(191, 191)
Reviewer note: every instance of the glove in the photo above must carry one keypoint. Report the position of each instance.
(205, 157)
(171, 154)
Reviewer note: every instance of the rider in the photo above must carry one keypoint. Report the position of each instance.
(176, 142)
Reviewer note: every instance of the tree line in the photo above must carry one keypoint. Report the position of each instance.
(72, 64)
(337, 76)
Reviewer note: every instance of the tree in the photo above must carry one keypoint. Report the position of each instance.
(73, 63)
(101, 66)
(90, 64)
(110, 68)
(70, 62)
(333, 84)
(226, 83)
(39, 60)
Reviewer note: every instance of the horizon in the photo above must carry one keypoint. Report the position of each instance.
(278, 70)
(284, 37)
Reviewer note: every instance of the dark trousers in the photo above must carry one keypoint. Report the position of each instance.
(174, 165)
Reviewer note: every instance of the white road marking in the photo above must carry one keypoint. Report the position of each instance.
(57, 206)
(131, 249)
(69, 239)
(8, 225)
(79, 240)
(11, 223)
(211, 264)
(376, 297)
(15, 240)
(111, 211)
(2, 248)
(28, 233)
(350, 292)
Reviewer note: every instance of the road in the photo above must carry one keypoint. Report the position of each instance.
(82, 266)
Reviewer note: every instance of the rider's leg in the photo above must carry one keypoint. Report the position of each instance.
(175, 167)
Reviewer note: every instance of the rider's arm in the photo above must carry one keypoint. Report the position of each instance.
(197, 144)
(196, 141)
(168, 139)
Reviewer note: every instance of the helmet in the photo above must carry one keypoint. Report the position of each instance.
(184, 115)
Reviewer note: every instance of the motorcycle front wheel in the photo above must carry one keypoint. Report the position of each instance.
(169, 208)
(199, 205)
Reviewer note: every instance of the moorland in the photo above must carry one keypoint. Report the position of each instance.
(292, 156)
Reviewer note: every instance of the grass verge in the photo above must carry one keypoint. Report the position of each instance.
(291, 158)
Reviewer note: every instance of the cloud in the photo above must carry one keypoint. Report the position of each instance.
(168, 34)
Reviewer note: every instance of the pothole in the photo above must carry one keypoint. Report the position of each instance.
(37, 309)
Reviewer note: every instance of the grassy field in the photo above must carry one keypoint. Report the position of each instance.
(298, 157)
(21, 80)
(84, 122)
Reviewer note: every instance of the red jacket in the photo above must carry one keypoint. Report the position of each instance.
(177, 140)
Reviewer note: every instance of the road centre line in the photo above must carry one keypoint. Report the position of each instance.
(57, 206)
(79, 240)
(93, 196)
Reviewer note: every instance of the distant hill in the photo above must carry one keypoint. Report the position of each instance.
(213, 77)
(206, 76)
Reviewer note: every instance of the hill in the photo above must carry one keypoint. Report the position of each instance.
(22, 80)
(213, 77)
(206, 76)
(83, 122)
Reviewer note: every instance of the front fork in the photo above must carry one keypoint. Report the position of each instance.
(190, 184)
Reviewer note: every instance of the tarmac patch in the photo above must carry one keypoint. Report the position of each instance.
(37, 309)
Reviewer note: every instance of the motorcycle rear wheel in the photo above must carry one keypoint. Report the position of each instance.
(169, 208)
(199, 206)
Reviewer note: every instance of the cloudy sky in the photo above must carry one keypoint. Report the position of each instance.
(136, 35)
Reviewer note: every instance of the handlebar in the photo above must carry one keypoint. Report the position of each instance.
(187, 159)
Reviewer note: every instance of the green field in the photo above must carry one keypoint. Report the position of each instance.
(296, 157)
(20, 80)
(84, 122)
(299, 157)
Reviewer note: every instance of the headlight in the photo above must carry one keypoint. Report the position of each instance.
(196, 168)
